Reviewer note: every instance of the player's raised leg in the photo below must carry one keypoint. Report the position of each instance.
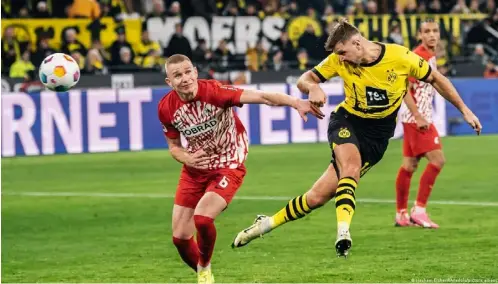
(403, 180)
(427, 180)
(320, 193)
(183, 235)
(348, 159)
(219, 193)
(209, 207)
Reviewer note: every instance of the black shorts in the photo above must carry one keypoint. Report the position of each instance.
(371, 136)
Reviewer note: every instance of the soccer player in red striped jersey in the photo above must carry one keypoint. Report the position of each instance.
(421, 138)
(203, 112)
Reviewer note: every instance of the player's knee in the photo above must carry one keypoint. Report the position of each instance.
(351, 170)
(439, 162)
(202, 222)
(314, 200)
(181, 233)
(180, 241)
(410, 165)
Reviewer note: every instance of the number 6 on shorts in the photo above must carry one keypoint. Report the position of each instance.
(223, 182)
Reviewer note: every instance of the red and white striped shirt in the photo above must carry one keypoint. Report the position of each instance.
(423, 93)
(208, 122)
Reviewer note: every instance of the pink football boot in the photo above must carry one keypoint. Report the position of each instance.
(403, 219)
(422, 219)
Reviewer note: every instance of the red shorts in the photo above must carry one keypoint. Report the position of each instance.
(418, 142)
(194, 183)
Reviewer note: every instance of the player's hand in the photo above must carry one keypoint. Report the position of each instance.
(316, 96)
(422, 123)
(198, 160)
(472, 120)
(305, 106)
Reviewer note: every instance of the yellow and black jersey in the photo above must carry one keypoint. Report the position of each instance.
(375, 90)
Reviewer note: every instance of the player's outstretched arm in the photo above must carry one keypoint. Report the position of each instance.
(199, 159)
(448, 91)
(308, 84)
(280, 99)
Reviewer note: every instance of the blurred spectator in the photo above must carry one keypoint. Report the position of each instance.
(285, 45)
(11, 49)
(293, 9)
(42, 51)
(222, 55)
(117, 46)
(406, 7)
(277, 63)
(203, 8)
(491, 70)
(303, 62)
(80, 59)
(488, 6)
(148, 52)
(84, 9)
(202, 55)
(126, 61)
(250, 10)
(460, 8)
(328, 14)
(113, 8)
(395, 35)
(20, 68)
(174, 10)
(41, 10)
(70, 44)
(104, 54)
(178, 44)
(435, 7)
(480, 55)
(474, 6)
(231, 11)
(372, 8)
(24, 13)
(256, 57)
(358, 8)
(95, 63)
(310, 42)
(157, 9)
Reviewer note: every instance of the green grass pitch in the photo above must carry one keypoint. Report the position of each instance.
(127, 238)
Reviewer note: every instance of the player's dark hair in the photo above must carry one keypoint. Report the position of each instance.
(341, 31)
(427, 20)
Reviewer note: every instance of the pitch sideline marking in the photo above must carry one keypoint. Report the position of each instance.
(254, 198)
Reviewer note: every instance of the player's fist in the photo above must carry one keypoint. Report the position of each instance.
(316, 96)
(305, 106)
(472, 120)
(198, 160)
(422, 123)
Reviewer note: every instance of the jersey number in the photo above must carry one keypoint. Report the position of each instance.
(223, 182)
(376, 97)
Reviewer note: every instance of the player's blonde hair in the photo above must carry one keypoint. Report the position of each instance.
(175, 58)
(341, 31)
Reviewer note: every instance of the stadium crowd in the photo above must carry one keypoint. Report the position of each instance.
(20, 59)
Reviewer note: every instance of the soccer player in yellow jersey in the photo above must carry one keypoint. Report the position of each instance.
(375, 82)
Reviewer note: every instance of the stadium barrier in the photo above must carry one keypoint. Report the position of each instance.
(109, 120)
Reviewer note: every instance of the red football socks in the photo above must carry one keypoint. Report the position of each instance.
(206, 238)
(426, 183)
(402, 189)
(188, 250)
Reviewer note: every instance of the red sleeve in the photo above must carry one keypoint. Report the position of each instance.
(169, 130)
(227, 96)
